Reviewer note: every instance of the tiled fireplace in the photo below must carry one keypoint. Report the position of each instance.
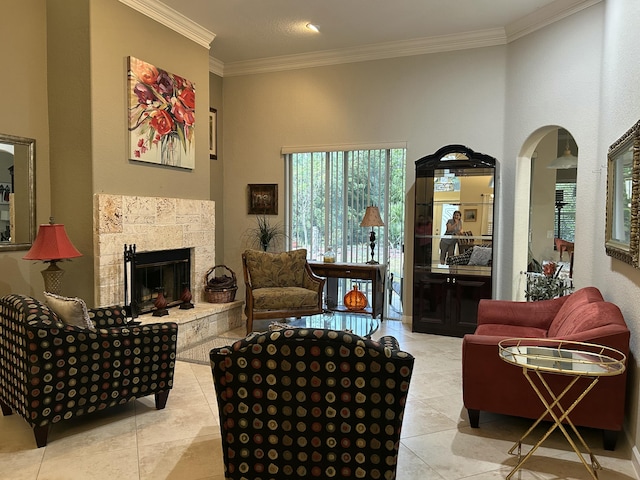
(152, 224)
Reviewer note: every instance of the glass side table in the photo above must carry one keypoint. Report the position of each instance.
(577, 360)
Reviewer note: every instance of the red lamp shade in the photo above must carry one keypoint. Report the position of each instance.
(52, 243)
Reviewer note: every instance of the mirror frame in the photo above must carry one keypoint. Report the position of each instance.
(30, 143)
(626, 252)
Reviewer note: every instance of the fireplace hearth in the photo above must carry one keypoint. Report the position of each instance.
(149, 273)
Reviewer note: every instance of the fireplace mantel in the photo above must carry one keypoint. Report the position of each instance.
(151, 223)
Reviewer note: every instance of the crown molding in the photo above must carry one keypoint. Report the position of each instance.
(216, 66)
(545, 16)
(405, 48)
(172, 19)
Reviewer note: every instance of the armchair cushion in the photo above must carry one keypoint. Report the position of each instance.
(284, 269)
(279, 298)
(72, 311)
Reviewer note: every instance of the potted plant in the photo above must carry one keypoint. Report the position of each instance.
(546, 285)
(264, 233)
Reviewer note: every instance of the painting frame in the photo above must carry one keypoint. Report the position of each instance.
(262, 199)
(161, 116)
(213, 133)
(470, 214)
(622, 227)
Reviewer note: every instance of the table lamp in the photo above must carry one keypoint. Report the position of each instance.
(50, 246)
(372, 219)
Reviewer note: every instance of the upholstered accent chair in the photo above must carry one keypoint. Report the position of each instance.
(280, 285)
(311, 403)
(51, 370)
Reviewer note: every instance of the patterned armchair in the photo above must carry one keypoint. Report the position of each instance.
(280, 285)
(311, 403)
(51, 371)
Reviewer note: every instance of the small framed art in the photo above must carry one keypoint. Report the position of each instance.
(213, 134)
(470, 214)
(263, 199)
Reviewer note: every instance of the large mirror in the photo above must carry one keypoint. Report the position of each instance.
(17, 192)
(623, 190)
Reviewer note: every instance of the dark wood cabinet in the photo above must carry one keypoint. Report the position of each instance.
(453, 239)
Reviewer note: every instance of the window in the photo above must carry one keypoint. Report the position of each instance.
(328, 193)
(566, 211)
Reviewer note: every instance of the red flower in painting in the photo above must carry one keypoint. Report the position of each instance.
(162, 122)
(162, 108)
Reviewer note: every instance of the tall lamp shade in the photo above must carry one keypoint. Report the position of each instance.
(52, 245)
(372, 219)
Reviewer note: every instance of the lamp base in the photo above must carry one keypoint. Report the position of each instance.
(52, 277)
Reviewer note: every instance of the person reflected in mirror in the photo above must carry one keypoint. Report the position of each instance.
(449, 241)
(424, 228)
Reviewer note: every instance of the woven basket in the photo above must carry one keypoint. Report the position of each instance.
(220, 289)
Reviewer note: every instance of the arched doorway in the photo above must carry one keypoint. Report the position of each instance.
(545, 195)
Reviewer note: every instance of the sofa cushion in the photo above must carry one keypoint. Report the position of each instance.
(513, 331)
(589, 316)
(284, 269)
(574, 301)
(461, 259)
(480, 256)
(72, 311)
(284, 298)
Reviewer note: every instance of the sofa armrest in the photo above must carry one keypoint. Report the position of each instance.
(527, 314)
(111, 316)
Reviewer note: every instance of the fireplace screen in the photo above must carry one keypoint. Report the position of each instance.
(148, 273)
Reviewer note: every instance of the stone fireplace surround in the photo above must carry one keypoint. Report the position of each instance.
(161, 223)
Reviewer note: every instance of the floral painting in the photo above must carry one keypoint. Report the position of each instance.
(162, 116)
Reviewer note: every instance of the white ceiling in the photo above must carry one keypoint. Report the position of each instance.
(253, 30)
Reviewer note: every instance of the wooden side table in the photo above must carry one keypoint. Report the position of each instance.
(356, 271)
(560, 357)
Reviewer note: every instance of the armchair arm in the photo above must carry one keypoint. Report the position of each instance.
(310, 280)
(111, 316)
(527, 314)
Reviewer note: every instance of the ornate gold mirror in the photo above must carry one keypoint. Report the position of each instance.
(623, 190)
(17, 192)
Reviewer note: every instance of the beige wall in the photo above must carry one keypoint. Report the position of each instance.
(24, 113)
(217, 166)
(426, 101)
(89, 43)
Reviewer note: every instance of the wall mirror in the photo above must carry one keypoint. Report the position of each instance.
(623, 190)
(17, 192)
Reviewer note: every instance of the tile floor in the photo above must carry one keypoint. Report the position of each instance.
(137, 442)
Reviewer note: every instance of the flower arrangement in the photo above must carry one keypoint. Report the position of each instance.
(161, 114)
(547, 285)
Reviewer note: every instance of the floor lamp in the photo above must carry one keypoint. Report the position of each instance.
(52, 245)
(372, 219)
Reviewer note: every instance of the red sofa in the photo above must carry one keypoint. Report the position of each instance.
(492, 385)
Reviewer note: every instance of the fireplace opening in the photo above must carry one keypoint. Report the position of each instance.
(148, 273)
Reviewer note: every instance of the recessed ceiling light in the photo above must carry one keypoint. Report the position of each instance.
(313, 28)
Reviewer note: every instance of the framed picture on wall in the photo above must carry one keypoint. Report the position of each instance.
(162, 116)
(263, 199)
(470, 214)
(213, 134)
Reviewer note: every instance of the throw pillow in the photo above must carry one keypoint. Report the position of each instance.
(72, 311)
(480, 256)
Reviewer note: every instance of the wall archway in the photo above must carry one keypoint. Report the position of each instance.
(522, 207)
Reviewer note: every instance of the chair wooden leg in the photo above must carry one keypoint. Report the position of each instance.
(249, 323)
(6, 409)
(161, 399)
(41, 433)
